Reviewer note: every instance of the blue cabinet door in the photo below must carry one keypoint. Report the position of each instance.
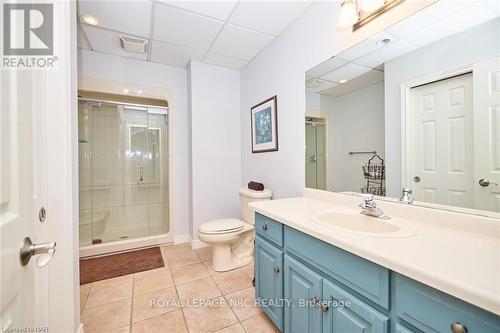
(302, 288)
(346, 313)
(269, 280)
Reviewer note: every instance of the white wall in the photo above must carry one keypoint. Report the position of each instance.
(109, 67)
(215, 152)
(280, 70)
(355, 123)
(466, 48)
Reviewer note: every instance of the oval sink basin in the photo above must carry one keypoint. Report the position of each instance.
(362, 224)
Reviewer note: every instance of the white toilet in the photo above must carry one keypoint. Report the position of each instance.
(232, 239)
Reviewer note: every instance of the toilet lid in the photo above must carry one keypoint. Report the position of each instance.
(223, 225)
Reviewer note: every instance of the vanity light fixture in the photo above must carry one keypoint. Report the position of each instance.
(348, 14)
(90, 20)
(357, 13)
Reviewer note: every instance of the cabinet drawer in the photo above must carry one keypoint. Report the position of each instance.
(430, 310)
(346, 313)
(363, 276)
(269, 229)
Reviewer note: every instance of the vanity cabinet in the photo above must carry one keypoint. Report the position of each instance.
(269, 280)
(334, 291)
(303, 289)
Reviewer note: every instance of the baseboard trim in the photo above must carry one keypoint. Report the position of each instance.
(181, 239)
(198, 244)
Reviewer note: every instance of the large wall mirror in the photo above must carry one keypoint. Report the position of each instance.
(416, 106)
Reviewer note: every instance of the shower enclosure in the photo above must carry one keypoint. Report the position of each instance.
(315, 154)
(123, 171)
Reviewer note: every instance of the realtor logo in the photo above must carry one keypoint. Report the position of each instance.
(28, 29)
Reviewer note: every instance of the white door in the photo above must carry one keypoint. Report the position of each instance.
(24, 301)
(487, 135)
(442, 142)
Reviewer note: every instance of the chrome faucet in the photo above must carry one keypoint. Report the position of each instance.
(369, 207)
(406, 196)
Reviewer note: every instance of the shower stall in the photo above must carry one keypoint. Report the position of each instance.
(315, 153)
(123, 174)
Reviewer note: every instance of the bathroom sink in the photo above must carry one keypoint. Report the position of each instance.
(362, 224)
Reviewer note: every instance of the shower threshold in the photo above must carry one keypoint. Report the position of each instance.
(124, 245)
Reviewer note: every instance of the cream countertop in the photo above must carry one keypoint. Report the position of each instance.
(456, 253)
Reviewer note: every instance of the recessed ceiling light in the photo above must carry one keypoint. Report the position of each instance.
(90, 20)
(384, 41)
(343, 81)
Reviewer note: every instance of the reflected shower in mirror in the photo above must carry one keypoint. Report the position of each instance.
(415, 106)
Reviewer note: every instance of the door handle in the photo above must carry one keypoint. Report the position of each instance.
(141, 174)
(485, 183)
(29, 250)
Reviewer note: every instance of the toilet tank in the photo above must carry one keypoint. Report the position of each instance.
(246, 196)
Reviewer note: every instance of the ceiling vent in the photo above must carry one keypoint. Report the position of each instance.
(135, 45)
(314, 83)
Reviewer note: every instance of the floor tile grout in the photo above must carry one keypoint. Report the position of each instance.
(211, 275)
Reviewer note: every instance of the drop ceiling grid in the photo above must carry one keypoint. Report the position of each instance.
(231, 56)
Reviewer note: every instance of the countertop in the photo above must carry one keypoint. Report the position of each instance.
(456, 253)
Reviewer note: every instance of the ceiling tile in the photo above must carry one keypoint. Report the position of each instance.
(223, 61)
(239, 42)
(271, 17)
(346, 72)
(366, 46)
(367, 79)
(174, 55)
(177, 26)
(386, 53)
(107, 41)
(133, 17)
(461, 20)
(433, 13)
(326, 67)
(81, 42)
(338, 90)
(215, 9)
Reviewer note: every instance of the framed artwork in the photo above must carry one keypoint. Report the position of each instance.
(265, 126)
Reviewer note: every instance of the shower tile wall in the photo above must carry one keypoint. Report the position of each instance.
(115, 143)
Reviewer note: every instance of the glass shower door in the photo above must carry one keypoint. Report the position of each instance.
(315, 155)
(123, 175)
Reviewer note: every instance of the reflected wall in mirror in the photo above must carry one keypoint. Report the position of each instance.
(416, 106)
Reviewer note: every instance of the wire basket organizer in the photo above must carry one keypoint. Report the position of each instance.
(374, 174)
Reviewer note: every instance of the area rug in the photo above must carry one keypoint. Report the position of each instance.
(106, 267)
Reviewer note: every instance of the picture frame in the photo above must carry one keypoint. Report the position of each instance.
(264, 123)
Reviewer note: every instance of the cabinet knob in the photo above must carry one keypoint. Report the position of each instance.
(314, 300)
(276, 269)
(264, 226)
(458, 327)
(324, 307)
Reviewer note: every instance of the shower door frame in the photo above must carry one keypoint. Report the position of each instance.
(96, 250)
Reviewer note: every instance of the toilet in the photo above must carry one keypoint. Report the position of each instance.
(232, 240)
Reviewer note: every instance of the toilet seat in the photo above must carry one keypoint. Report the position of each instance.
(222, 226)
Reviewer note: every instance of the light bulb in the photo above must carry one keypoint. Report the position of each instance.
(370, 5)
(348, 14)
(90, 20)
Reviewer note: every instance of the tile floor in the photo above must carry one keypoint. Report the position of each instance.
(189, 297)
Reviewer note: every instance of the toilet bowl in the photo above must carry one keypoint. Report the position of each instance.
(232, 240)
